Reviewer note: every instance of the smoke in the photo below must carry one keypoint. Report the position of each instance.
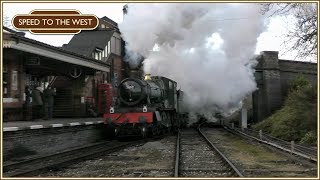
(207, 48)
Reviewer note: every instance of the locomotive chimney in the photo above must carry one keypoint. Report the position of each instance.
(147, 77)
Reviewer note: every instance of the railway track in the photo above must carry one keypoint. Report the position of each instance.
(259, 160)
(196, 156)
(59, 160)
(309, 153)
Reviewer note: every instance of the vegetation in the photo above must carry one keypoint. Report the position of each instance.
(297, 119)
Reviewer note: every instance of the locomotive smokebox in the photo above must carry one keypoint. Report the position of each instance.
(131, 91)
(134, 91)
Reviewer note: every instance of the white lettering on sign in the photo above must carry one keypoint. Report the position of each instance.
(82, 22)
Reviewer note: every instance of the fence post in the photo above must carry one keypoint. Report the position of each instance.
(232, 125)
(260, 134)
(292, 146)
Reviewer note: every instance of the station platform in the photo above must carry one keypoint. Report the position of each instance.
(52, 123)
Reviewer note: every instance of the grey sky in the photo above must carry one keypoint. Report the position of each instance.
(270, 40)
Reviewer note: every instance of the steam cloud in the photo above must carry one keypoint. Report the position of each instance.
(207, 48)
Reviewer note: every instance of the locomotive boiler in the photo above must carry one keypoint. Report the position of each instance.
(145, 107)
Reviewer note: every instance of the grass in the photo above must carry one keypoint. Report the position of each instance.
(257, 151)
(247, 153)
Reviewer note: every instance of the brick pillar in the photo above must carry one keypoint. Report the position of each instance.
(271, 80)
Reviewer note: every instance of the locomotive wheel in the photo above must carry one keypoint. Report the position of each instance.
(108, 132)
(162, 130)
(154, 130)
(163, 117)
(144, 132)
(158, 131)
(169, 122)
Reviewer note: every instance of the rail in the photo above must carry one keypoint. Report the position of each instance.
(38, 164)
(176, 167)
(299, 150)
(234, 168)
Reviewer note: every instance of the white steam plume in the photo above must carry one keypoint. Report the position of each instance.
(206, 48)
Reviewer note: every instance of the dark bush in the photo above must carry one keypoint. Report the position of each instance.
(297, 119)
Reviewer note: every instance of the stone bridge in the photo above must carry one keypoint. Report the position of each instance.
(273, 76)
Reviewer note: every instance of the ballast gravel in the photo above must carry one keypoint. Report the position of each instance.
(152, 159)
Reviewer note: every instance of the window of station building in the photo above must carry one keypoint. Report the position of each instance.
(5, 81)
(109, 47)
(97, 54)
(103, 26)
(107, 50)
(118, 46)
(113, 44)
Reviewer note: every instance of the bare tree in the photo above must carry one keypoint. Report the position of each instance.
(303, 38)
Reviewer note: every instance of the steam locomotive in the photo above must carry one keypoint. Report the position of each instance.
(146, 107)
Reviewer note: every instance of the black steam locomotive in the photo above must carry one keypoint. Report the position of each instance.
(146, 107)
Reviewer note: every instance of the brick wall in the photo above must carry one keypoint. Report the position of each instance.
(298, 66)
(289, 70)
(118, 68)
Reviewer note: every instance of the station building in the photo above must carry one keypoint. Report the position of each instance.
(103, 44)
(90, 60)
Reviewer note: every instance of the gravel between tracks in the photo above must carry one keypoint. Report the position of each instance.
(198, 159)
(156, 159)
(152, 159)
